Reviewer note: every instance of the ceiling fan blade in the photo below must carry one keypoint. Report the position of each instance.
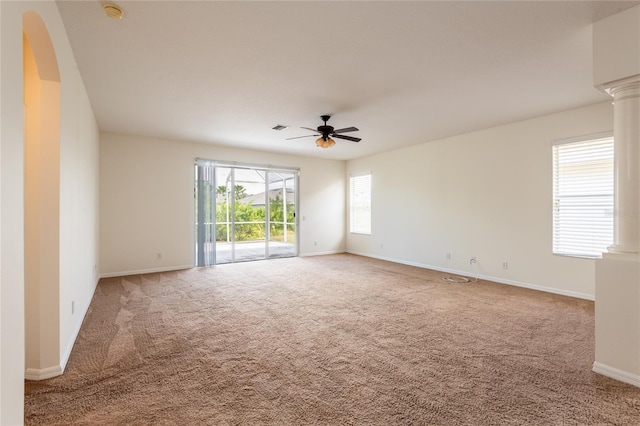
(298, 137)
(313, 130)
(346, 129)
(348, 138)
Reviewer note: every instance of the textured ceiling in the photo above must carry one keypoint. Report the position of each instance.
(403, 72)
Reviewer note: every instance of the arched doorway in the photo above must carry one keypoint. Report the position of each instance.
(41, 200)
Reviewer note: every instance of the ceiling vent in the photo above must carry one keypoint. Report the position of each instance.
(279, 127)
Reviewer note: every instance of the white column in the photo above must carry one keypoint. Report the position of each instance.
(617, 328)
(626, 133)
(616, 70)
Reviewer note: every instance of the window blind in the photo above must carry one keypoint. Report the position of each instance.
(583, 197)
(360, 204)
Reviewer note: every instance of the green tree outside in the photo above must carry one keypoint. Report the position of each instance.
(250, 220)
(277, 216)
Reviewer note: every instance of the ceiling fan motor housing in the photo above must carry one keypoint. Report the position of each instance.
(325, 130)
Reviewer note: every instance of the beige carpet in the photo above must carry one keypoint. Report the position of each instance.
(330, 340)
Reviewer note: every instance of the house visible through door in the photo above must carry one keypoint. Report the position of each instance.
(244, 212)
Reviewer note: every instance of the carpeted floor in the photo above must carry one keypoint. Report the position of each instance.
(329, 340)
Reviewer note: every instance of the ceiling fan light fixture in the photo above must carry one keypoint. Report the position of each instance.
(325, 143)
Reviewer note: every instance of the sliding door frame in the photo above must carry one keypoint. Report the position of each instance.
(203, 167)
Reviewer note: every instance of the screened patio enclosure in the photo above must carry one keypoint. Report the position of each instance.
(244, 212)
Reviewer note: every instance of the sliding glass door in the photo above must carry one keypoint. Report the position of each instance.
(282, 217)
(249, 219)
(244, 212)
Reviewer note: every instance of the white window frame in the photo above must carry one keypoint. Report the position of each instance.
(360, 188)
(583, 186)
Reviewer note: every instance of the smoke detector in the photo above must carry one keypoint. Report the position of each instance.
(113, 11)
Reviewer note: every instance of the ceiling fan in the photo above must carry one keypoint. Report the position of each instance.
(327, 132)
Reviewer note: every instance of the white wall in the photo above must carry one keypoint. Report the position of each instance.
(79, 206)
(616, 47)
(11, 218)
(486, 194)
(78, 200)
(146, 198)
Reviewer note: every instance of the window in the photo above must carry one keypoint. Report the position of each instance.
(360, 204)
(583, 196)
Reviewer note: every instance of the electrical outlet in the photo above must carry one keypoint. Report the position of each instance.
(448, 256)
(472, 260)
(73, 307)
(505, 265)
(381, 246)
(158, 256)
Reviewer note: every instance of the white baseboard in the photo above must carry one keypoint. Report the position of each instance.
(76, 330)
(181, 267)
(43, 373)
(49, 372)
(500, 280)
(614, 373)
(321, 253)
(145, 271)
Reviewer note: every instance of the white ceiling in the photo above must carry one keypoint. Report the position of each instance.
(404, 73)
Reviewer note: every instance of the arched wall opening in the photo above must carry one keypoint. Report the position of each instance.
(41, 200)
